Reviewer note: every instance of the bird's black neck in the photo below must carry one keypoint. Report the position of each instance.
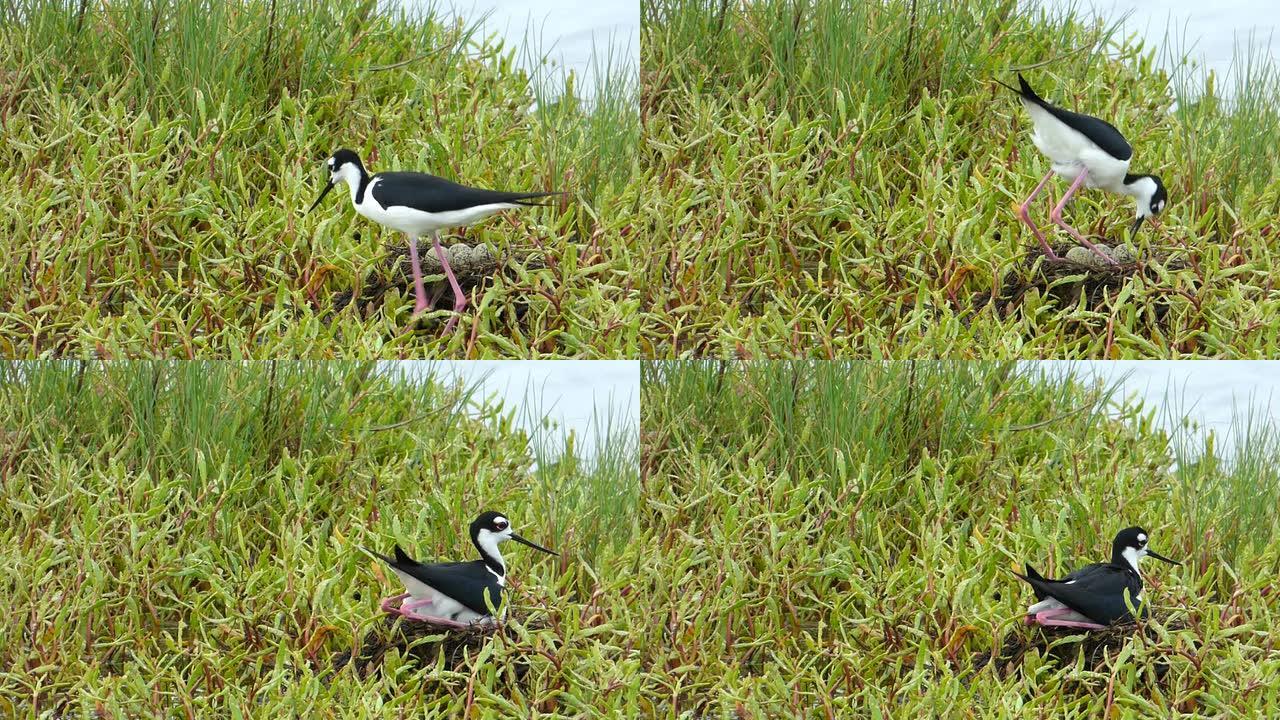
(1117, 557)
(364, 185)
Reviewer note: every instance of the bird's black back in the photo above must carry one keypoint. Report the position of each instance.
(1102, 133)
(432, 194)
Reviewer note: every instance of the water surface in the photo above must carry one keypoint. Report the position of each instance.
(1209, 28)
(577, 395)
(569, 32)
(1211, 393)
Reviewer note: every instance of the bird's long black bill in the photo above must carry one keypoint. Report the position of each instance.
(1137, 224)
(533, 545)
(1158, 556)
(326, 190)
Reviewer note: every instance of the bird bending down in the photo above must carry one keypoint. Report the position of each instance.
(1094, 596)
(456, 594)
(1090, 152)
(417, 204)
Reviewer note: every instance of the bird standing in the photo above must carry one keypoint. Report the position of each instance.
(456, 594)
(1088, 151)
(416, 204)
(1095, 595)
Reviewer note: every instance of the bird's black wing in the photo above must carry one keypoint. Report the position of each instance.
(1074, 574)
(1081, 572)
(1102, 133)
(466, 582)
(1098, 594)
(432, 194)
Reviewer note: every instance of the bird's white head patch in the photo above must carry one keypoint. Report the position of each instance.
(1149, 193)
(344, 166)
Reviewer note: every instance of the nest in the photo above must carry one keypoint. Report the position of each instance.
(474, 266)
(1094, 646)
(424, 645)
(1076, 273)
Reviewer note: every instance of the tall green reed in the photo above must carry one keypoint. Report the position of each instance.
(834, 56)
(591, 491)
(1229, 483)
(829, 418)
(1224, 119)
(211, 62)
(591, 132)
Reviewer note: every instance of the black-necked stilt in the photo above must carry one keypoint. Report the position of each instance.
(1094, 596)
(1091, 152)
(456, 594)
(416, 204)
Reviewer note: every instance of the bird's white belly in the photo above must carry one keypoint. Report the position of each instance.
(1104, 171)
(1045, 604)
(1054, 604)
(418, 223)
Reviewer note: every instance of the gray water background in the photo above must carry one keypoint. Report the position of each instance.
(569, 32)
(1209, 31)
(578, 396)
(1214, 394)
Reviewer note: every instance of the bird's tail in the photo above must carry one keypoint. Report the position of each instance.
(1024, 91)
(527, 199)
(390, 561)
(1005, 84)
(402, 558)
(1032, 578)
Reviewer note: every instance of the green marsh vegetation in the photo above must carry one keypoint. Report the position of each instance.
(182, 539)
(840, 538)
(838, 178)
(158, 157)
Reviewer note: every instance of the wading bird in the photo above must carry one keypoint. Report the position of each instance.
(1088, 151)
(417, 204)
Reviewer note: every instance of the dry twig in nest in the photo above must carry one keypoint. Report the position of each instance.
(423, 645)
(1074, 274)
(1095, 646)
(473, 266)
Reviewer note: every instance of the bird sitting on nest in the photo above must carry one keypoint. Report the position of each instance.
(456, 594)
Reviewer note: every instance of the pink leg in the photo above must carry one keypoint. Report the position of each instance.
(1056, 216)
(414, 604)
(1024, 214)
(459, 298)
(410, 610)
(1054, 618)
(420, 292)
(433, 620)
(406, 610)
(389, 604)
